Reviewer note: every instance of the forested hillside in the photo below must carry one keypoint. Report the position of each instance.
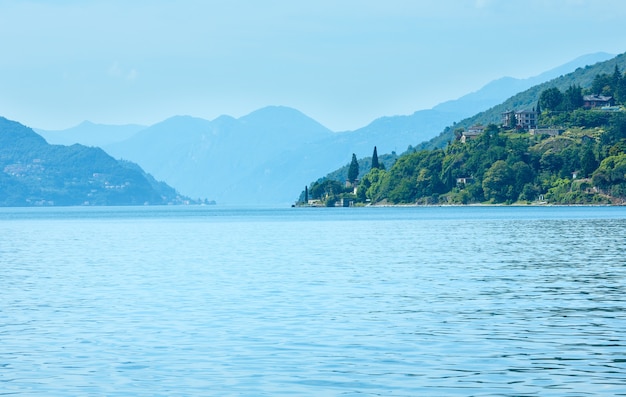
(574, 152)
(34, 173)
(528, 99)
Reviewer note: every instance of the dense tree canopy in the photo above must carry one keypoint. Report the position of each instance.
(506, 166)
(35, 173)
(551, 99)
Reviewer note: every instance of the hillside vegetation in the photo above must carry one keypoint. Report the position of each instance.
(528, 99)
(579, 158)
(34, 173)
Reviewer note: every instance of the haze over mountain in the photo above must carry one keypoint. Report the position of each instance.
(528, 98)
(35, 173)
(570, 152)
(397, 132)
(218, 158)
(90, 134)
(265, 156)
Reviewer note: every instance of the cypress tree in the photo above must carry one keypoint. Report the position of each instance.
(617, 77)
(375, 163)
(353, 171)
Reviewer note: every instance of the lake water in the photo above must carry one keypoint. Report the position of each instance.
(173, 301)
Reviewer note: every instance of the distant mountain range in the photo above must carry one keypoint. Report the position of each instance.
(266, 156)
(91, 134)
(229, 160)
(35, 173)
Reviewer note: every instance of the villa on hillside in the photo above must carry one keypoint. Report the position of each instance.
(472, 133)
(478, 129)
(461, 182)
(597, 101)
(524, 119)
(354, 185)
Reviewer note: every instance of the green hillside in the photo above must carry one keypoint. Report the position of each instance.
(34, 173)
(572, 151)
(528, 99)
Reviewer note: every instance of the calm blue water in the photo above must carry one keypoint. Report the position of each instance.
(214, 301)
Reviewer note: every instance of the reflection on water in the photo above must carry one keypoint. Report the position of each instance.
(390, 301)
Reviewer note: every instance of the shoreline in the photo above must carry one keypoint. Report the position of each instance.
(495, 205)
(533, 205)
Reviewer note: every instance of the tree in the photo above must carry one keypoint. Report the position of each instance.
(588, 161)
(375, 163)
(551, 99)
(324, 190)
(497, 182)
(374, 185)
(353, 171)
(615, 131)
(620, 90)
(551, 161)
(616, 78)
(522, 175)
(602, 84)
(612, 170)
(573, 98)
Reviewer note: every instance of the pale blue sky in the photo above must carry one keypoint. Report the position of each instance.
(343, 63)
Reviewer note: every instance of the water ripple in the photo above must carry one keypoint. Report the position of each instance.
(416, 302)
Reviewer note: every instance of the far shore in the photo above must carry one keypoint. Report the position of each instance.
(495, 205)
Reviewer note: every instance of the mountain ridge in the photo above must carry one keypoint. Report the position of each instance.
(176, 149)
(244, 160)
(90, 134)
(36, 173)
(588, 149)
(528, 98)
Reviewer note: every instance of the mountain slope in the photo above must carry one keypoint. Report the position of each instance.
(90, 134)
(223, 159)
(396, 133)
(523, 100)
(263, 157)
(501, 89)
(528, 98)
(36, 173)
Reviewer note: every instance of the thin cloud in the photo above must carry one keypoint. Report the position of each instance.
(116, 71)
(132, 75)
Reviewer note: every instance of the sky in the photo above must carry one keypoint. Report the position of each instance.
(342, 62)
